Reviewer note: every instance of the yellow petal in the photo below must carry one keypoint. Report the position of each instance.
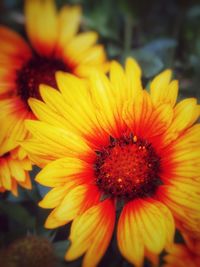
(68, 24)
(187, 154)
(79, 44)
(79, 101)
(44, 113)
(133, 76)
(26, 164)
(184, 197)
(27, 183)
(104, 101)
(16, 170)
(151, 224)
(118, 80)
(169, 222)
(85, 70)
(186, 113)
(5, 176)
(52, 98)
(91, 233)
(93, 56)
(76, 202)
(13, 130)
(121, 92)
(144, 120)
(160, 119)
(71, 87)
(59, 140)
(128, 236)
(102, 238)
(41, 25)
(188, 140)
(184, 205)
(137, 112)
(62, 171)
(159, 88)
(70, 207)
(40, 155)
(53, 198)
(171, 93)
(52, 222)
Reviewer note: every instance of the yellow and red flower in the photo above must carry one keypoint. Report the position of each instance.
(184, 254)
(53, 44)
(109, 145)
(13, 171)
(179, 255)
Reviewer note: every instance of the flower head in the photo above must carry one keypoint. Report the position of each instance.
(110, 142)
(33, 251)
(14, 172)
(179, 255)
(53, 44)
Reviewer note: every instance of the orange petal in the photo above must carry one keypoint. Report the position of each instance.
(5, 175)
(12, 44)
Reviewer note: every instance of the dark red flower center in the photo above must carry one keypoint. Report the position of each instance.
(128, 168)
(38, 70)
(6, 155)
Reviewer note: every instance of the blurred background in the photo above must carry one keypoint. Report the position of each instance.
(159, 34)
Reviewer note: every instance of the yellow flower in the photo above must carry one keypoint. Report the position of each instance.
(179, 255)
(187, 254)
(110, 144)
(53, 44)
(13, 172)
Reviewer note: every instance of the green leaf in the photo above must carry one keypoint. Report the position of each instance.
(61, 248)
(160, 46)
(194, 12)
(18, 214)
(113, 50)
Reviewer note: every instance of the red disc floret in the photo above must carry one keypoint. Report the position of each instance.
(127, 168)
(38, 70)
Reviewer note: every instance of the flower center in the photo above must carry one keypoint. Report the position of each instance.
(29, 251)
(6, 155)
(128, 168)
(36, 71)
